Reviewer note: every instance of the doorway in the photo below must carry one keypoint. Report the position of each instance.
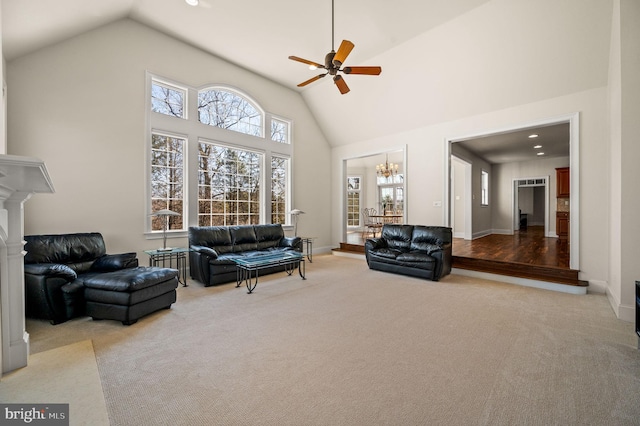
(531, 203)
(500, 138)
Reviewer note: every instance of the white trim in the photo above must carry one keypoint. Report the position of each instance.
(344, 174)
(574, 141)
(544, 285)
(193, 132)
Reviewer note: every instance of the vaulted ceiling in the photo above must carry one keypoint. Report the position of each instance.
(433, 70)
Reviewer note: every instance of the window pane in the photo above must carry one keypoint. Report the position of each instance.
(279, 170)
(485, 188)
(167, 180)
(228, 179)
(353, 208)
(167, 100)
(279, 131)
(229, 111)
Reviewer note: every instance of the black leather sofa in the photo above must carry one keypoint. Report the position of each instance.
(414, 250)
(70, 275)
(214, 247)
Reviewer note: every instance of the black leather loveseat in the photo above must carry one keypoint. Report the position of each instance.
(214, 247)
(415, 250)
(70, 275)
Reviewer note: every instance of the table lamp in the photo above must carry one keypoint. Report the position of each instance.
(164, 214)
(295, 213)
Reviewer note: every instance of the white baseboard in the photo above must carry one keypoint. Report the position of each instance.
(481, 234)
(502, 231)
(562, 288)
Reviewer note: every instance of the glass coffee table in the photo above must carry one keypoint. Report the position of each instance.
(248, 269)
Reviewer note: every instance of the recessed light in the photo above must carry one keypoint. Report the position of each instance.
(192, 2)
(533, 136)
(537, 146)
(540, 153)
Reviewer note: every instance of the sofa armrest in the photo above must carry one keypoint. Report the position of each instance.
(374, 243)
(443, 257)
(51, 270)
(293, 242)
(114, 262)
(207, 251)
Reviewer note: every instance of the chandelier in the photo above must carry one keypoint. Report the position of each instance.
(387, 169)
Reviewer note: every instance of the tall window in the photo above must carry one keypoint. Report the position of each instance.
(279, 190)
(209, 176)
(167, 179)
(485, 188)
(228, 186)
(353, 200)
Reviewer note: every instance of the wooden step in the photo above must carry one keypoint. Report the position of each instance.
(351, 248)
(552, 274)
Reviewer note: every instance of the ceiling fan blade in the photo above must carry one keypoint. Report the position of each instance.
(363, 70)
(343, 51)
(342, 85)
(305, 61)
(311, 80)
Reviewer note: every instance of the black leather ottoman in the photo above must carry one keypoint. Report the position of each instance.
(129, 294)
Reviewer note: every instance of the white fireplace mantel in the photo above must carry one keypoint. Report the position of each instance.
(20, 178)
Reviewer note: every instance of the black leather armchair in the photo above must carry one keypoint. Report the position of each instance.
(56, 267)
(415, 250)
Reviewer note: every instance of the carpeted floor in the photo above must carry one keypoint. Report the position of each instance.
(350, 346)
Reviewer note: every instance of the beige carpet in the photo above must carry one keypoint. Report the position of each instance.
(350, 346)
(65, 375)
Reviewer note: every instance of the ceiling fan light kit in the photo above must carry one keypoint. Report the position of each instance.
(333, 63)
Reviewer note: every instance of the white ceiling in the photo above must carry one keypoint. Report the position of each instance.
(257, 35)
(260, 35)
(517, 146)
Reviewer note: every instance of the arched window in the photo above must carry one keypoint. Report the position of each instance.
(211, 177)
(229, 110)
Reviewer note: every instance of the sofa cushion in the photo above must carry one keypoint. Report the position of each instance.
(217, 237)
(387, 253)
(425, 247)
(398, 236)
(132, 279)
(414, 256)
(64, 248)
(114, 262)
(268, 235)
(243, 238)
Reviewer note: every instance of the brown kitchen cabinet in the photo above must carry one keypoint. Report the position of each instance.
(562, 225)
(562, 182)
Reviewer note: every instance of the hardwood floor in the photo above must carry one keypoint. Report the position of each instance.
(528, 246)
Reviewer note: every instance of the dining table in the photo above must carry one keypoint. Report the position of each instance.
(387, 218)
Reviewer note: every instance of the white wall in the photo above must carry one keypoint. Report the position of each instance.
(623, 200)
(426, 166)
(504, 174)
(80, 106)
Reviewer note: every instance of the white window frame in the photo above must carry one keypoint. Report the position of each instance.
(484, 188)
(358, 191)
(193, 131)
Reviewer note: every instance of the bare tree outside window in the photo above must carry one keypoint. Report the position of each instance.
(230, 111)
(229, 177)
(279, 131)
(279, 168)
(228, 186)
(167, 100)
(167, 179)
